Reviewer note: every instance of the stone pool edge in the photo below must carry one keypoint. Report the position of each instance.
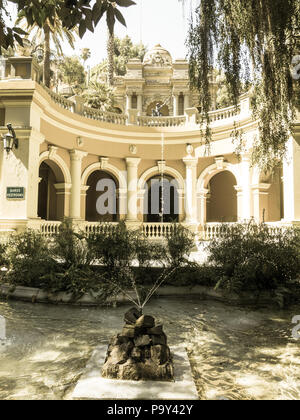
(36, 295)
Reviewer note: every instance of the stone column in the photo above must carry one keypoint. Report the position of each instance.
(202, 199)
(83, 194)
(132, 184)
(240, 203)
(181, 197)
(20, 168)
(260, 202)
(143, 201)
(244, 189)
(63, 191)
(76, 161)
(34, 142)
(122, 199)
(186, 101)
(291, 181)
(128, 101)
(190, 189)
(175, 105)
(140, 104)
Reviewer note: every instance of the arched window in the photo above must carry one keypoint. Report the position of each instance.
(102, 200)
(50, 200)
(222, 198)
(162, 200)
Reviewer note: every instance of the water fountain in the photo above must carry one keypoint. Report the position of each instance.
(162, 203)
(140, 352)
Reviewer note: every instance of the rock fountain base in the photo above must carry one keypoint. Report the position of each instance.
(140, 352)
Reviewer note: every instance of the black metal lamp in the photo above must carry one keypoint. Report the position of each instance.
(10, 140)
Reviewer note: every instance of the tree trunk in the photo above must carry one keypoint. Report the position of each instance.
(47, 52)
(110, 58)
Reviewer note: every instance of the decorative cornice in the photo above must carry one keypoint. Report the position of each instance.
(77, 155)
(133, 162)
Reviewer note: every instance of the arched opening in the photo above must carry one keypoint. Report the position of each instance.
(50, 199)
(161, 200)
(164, 110)
(222, 198)
(272, 207)
(102, 198)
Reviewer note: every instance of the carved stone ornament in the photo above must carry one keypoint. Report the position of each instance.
(133, 149)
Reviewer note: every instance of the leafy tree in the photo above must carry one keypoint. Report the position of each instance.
(71, 72)
(9, 36)
(99, 96)
(83, 14)
(85, 55)
(52, 28)
(223, 93)
(124, 50)
(255, 41)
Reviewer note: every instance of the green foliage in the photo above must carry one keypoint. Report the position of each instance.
(243, 35)
(82, 14)
(180, 243)
(85, 54)
(252, 257)
(3, 255)
(99, 96)
(70, 247)
(72, 72)
(117, 250)
(122, 251)
(124, 50)
(73, 272)
(29, 258)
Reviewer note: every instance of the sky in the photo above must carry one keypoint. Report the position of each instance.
(150, 21)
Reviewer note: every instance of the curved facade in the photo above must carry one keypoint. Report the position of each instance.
(66, 150)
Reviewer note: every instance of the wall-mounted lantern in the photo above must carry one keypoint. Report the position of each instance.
(10, 140)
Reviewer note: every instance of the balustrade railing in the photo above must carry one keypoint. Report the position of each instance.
(105, 116)
(49, 229)
(59, 99)
(158, 230)
(215, 230)
(143, 121)
(221, 114)
(91, 228)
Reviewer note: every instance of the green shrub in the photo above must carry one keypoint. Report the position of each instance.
(3, 255)
(252, 257)
(73, 271)
(30, 259)
(128, 257)
(180, 243)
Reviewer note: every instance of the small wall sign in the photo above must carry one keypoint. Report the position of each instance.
(15, 193)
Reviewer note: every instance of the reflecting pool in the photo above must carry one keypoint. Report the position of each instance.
(235, 352)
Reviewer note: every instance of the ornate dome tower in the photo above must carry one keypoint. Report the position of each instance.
(158, 57)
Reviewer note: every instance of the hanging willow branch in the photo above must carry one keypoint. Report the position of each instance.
(223, 33)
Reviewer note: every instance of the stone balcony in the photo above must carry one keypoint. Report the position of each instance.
(191, 118)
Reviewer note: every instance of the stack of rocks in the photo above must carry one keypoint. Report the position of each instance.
(140, 352)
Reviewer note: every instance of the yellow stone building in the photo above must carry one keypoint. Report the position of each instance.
(65, 149)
